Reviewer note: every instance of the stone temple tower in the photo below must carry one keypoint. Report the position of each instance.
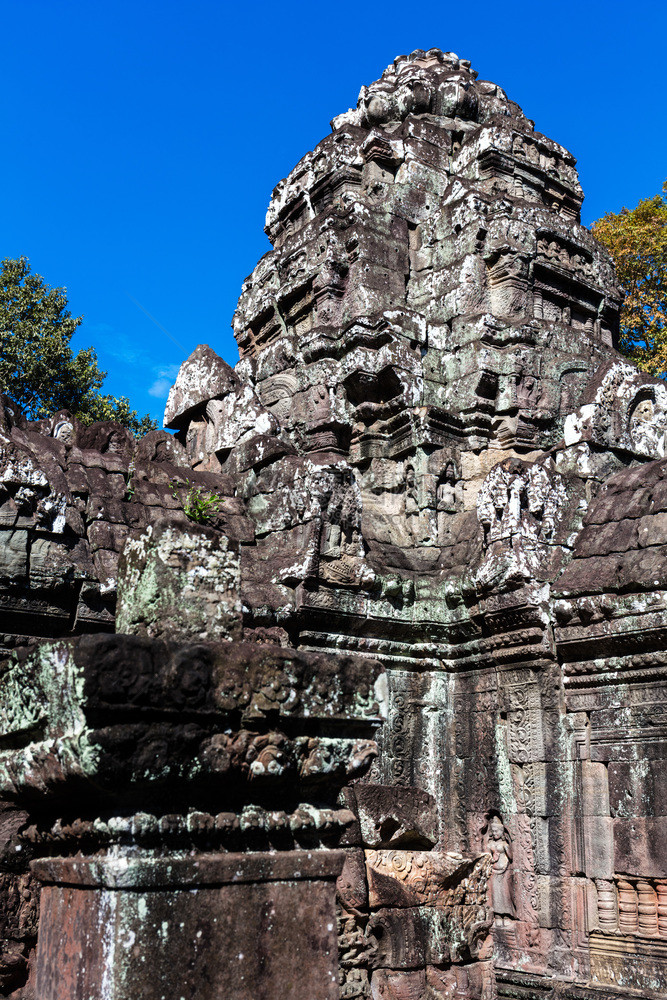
(355, 685)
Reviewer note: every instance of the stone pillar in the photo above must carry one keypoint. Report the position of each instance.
(210, 926)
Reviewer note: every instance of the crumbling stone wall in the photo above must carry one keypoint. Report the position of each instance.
(394, 717)
(70, 497)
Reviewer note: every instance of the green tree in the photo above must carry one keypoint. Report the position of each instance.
(637, 241)
(37, 365)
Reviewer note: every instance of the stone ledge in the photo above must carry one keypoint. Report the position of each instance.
(174, 872)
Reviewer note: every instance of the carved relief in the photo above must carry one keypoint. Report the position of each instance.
(629, 412)
(519, 508)
(647, 426)
(429, 878)
(497, 843)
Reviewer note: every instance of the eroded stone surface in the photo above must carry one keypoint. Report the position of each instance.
(179, 579)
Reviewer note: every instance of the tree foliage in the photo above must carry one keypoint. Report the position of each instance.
(37, 365)
(637, 241)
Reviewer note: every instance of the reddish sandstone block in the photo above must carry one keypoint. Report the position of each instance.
(640, 846)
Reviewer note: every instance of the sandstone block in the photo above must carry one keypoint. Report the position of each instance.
(640, 846)
(179, 580)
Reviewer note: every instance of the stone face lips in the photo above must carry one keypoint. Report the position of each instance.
(421, 635)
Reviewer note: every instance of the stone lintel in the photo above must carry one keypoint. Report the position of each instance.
(178, 872)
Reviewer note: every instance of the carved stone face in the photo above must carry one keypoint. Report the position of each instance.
(414, 90)
(647, 428)
(496, 828)
(393, 100)
(64, 431)
(643, 413)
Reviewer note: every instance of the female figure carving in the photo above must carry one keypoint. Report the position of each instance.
(497, 844)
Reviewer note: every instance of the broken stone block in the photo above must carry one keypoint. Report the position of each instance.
(208, 927)
(204, 376)
(393, 816)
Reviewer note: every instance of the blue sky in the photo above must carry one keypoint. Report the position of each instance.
(143, 140)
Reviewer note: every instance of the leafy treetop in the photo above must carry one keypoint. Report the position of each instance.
(37, 366)
(637, 241)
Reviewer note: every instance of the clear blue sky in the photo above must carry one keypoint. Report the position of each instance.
(143, 139)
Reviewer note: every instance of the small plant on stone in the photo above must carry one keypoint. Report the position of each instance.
(199, 505)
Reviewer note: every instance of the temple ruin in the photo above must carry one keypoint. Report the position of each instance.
(355, 686)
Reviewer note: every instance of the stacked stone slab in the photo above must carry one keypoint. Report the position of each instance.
(391, 724)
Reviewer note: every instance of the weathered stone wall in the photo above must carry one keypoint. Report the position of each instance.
(407, 684)
(70, 497)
